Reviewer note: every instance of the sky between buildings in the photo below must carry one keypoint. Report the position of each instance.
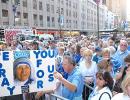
(128, 10)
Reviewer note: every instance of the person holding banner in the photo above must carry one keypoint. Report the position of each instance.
(72, 86)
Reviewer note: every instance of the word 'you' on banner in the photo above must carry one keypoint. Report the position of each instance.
(26, 71)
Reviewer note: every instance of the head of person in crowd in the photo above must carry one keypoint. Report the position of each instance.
(68, 63)
(123, 45)
(105, 65)
(112, 50)
(61, 50)
(91, 47)
(61, 44)
(127, 61)
(104, 79)
(98, 51)
(52, 44)
(106, 53)
(88, 55)
(72, 49)
(78, 47)
(87, 43)
(100, 43)
(111, 41)
(34, 45)
(105, 44)
(82, 51)
(126, 85)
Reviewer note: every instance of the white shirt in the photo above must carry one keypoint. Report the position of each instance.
(95, 95)
(121, 96)
(88, 71)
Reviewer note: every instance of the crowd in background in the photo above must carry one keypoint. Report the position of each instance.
(83, 62)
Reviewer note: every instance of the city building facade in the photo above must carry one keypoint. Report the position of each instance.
(53, 15)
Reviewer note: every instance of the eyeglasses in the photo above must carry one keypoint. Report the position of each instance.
(123, 45)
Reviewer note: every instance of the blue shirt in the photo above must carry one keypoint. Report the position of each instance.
(75, 78)
(120, 56)
(76, 57)
(96, 58)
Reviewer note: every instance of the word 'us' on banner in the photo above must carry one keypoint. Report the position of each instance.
(26, 71)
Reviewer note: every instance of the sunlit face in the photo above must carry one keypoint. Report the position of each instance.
(111, 42)
(100, 82)
(88, 58)
(23, 72)
(106, 55)
(65, 65)
(123, 46)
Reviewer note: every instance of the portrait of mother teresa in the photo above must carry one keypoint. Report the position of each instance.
(23, 72)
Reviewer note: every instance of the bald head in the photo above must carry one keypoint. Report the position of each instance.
(123, 45)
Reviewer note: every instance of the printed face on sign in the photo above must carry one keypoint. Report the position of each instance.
(23, 72)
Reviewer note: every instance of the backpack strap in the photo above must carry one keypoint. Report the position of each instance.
(105, 93)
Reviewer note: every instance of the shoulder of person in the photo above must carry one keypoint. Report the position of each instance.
(105, 93)
(119, 96)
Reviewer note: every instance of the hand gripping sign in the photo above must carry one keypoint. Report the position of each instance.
(26, 71)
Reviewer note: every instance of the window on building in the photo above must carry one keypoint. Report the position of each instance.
(76, 6)
(48, 21)
(76, 24)
(35, 4)
(48, 7)
(4, 13)
(18, 14)
(6, 23)
(52, 9)
(25, 21)
(76, 14)
(25, 15)
(35, 19)
(62, 2)
(73, 14)
(67, 23)
(70, 13)
(62, 10)
(40, 5)
(67, 12)
(53, 21)
(41, 20)
(25, 3)
(3, 1)
(69, 3)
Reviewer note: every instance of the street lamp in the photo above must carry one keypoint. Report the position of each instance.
(59, 17)
(15, 3)
(14, 12)
(97, 2)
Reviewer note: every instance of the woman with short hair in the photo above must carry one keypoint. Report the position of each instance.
(88, 70)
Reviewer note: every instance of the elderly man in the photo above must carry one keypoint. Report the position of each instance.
(122, 52)
(73, 85)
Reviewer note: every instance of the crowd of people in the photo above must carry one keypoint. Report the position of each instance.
(86, 68)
